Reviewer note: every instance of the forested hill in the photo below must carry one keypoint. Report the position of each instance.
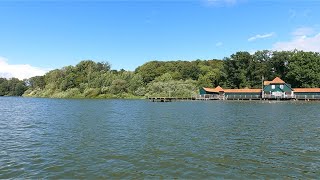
(90, 79)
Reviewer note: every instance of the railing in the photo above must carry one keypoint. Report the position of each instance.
(270, 96)
(209, 97)
(255, 97)
(232, 97)
(307, 97)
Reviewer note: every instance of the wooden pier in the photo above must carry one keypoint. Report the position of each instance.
(170, 99)
(307, 97)
(207, 97)
(237, 98)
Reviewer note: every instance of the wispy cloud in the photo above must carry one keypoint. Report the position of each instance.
(220, 2)
(292, 13)
(303, 31)
(20, 71)
(302, 39)
(295, 14)
(261, 36)
(218, 44)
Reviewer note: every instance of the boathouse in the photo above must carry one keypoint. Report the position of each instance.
(307, 93)
(220, 93)
(275, 89)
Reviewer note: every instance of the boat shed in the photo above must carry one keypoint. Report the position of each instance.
(220, 93)
(275, 89)
(215, 91)
(307, 93)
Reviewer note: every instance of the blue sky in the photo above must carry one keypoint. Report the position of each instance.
(41, 35)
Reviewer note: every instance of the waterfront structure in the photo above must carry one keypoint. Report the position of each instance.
(276, 89)
(307, 93)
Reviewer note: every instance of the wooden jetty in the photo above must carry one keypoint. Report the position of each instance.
(210, 97)
(207, 97)
(170, 99)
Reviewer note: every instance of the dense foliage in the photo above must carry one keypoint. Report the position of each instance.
(12, 87)
(90, 79)
(298, 68)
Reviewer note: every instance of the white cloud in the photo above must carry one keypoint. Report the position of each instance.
(20, 71)
(252, 51)
(303, 31)
(302, 39)
(301, 43)
(218, 44)
(260, 36)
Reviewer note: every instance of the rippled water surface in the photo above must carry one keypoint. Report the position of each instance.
(58, 138)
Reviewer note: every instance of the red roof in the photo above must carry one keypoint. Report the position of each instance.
(219, 89)
(215, 90)
(242, 90)
(210, 90)
(266, 82)
(276, 80)
(317, 90)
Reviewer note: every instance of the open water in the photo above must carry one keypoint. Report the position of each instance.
(112, 139)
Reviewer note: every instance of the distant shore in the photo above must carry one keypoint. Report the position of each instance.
(57, 96)
(242, 70)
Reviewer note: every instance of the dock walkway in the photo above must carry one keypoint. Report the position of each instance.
(169, 99)
(210, 97)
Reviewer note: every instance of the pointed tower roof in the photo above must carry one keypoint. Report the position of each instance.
(219, 89)
(277, 80)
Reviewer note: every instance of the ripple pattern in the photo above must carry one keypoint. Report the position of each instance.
(112, 139)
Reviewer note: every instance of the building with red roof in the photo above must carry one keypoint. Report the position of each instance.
(275, 89)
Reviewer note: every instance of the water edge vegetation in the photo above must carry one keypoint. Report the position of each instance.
(90, 79)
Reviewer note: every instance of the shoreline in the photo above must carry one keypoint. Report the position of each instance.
(175, 100)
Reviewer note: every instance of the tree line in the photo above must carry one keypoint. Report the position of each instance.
(89, 79)
(12, 87)
(298, 68)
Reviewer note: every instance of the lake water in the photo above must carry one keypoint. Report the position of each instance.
(111, 139)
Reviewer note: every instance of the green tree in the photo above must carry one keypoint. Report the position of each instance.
(37, 82)
(118, 86)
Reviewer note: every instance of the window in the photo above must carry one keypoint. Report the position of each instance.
(281, 86)
(273, 86)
